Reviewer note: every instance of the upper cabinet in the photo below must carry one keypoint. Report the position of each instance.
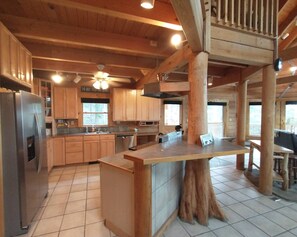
(45, 91)
(129, 105)
(15, 59)
(65, 103)
(124, 104)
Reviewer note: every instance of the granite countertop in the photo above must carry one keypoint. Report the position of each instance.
(107, 133)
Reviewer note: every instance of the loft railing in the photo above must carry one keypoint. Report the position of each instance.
(256, 16)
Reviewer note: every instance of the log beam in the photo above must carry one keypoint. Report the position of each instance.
(241, 120)
(279, 81)
(288, 54)
(267, 130)
(198, 197)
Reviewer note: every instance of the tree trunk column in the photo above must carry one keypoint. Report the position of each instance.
(267, 130)
(241, 120)
(198, 197)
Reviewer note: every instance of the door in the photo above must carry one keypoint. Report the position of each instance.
(32, 157)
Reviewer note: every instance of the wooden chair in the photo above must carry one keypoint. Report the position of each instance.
(292, 169)
(277, 163)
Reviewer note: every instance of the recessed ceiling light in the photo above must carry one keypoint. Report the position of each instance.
(147, 4)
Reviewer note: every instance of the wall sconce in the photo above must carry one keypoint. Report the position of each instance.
(57, 78)
(147, 4)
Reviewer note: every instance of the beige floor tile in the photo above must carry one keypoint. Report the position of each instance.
(93, 173)
(70, 171)
(45, 201)
(75, 206)
(58, 199)
(93, 179)
(93, 185)
(66, 177)
(62, 190)
(77, 196)
(81, 174)
(50, 191)
(82, 180)
(93, 216)
(78, 187)
(97, 229)
(38, 215)
(73, 220)
(54, 210)
(64, 183)
(93, 203)
(93, 193)
(56, 234)
(49, 225)
(75, 232)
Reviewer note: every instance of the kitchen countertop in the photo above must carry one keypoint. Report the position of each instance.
(107, 133)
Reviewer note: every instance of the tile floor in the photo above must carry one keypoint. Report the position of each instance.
(72, 208)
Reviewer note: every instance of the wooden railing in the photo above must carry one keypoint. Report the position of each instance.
(257, 16)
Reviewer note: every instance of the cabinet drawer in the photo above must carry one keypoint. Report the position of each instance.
(106, 137)
(91, 138)
(74, 147)
(72, 158)
(74, 139)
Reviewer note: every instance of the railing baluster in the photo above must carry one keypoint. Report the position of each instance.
(272, 17)
(256, 15)
(244, 13)
(232, 12)
(238, 13)
(226, 11)
(261, 9)
(219, 10)
(276, 18)
(250, 13)
(266, 17)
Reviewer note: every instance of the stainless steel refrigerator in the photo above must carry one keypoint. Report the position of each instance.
(24, 160)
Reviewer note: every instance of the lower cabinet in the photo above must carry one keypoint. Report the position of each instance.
(58, 151)
(49, 147)
(91, 148)
(74, 152)
(107, 145)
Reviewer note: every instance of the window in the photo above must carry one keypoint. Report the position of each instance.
(215, 116)
(95, 112)
(255, 110)
(291, 116)
(172, 113)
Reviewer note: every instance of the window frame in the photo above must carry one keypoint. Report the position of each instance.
(255, 103)
(224, 115)
(173, 102)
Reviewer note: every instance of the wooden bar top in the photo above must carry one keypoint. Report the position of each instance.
(179, 150)
(276, 148)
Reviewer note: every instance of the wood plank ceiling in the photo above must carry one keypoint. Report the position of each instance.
(75, 36)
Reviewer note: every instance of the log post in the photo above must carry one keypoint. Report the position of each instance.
(267, 130)
(198, 197)
(241, 120)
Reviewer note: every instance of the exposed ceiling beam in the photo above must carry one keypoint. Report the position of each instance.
(231, 77)
(286, 42)
(288, 54)
(281, 4)
(60, 53)
(250, 73)
(175, 61)
(129, 10)
(279, 81)
(190, 14)
(49, 65)
(290, 19)
(52, 32)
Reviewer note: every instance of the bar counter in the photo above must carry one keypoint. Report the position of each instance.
(141, 189)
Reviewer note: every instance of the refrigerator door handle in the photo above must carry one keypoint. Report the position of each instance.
(39, 156)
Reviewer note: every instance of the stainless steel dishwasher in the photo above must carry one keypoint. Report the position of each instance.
(124, 142)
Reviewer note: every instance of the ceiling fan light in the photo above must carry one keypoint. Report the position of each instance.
(104, 85)
(97, 85)
(101, 74)
(147, 4)
(57, 78)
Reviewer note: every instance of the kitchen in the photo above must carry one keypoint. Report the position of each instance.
(108, 42)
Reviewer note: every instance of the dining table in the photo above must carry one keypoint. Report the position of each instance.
(256, 144)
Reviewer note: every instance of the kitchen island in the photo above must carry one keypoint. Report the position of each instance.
(141, 189)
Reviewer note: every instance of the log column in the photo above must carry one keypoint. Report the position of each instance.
(241, 120)
(198, 198)
(267, 130)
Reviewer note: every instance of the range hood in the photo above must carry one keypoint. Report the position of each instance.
(164, 90)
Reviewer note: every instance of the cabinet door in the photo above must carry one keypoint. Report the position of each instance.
(74, 157)
(107, 148)
(14, 57)
(58, 151)
(71, 103)
(91, 151)
(49, 146)
(130, 105)
(119, 100)
(142, 103)
(154, 109)
(28, 71)
(22, 63)
(59, 103)
(4, 51)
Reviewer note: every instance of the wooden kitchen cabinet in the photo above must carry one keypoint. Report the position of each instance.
(58, 151)
(107, 145)
(148, 109)
(124, 104)
(15, 59)
(91, 148)
(74, 150)
(65, 103)
(50, 161)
